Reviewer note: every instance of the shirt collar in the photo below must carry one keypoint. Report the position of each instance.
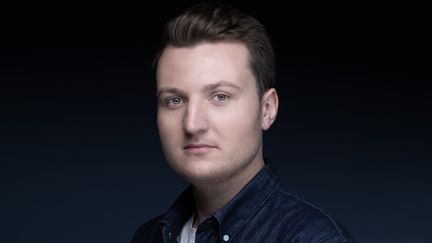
(179, 212)
(235, 213)
(247, 202)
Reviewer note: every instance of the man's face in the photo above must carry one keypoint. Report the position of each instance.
(209, 112)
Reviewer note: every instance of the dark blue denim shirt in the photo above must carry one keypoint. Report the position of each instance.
(263, 211)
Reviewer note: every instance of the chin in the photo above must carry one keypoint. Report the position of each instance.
(199, 172)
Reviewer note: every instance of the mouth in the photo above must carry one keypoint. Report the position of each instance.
(198, 148)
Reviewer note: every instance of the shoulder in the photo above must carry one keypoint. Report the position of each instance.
(149, 232)
(306, 221)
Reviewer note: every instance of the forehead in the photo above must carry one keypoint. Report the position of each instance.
(203, 64)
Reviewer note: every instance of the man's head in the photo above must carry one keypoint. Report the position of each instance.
(215, 94)
(211, 23)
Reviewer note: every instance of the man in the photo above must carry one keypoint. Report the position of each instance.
(216, 96)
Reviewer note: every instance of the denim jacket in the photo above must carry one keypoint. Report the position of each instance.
(263, 211)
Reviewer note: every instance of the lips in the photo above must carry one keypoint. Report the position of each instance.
(199, 148)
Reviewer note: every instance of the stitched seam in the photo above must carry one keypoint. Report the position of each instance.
(269, 197)
(320, 210)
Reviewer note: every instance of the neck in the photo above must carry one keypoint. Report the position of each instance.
(212, 196)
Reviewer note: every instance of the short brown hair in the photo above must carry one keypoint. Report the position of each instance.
(211, 23)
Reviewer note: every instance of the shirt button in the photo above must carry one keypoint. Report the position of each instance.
(226, 238)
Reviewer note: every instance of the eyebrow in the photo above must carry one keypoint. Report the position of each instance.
(168, 90)
(208, 87)
(219, 84)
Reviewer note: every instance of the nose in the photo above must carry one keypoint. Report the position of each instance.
(195, 118)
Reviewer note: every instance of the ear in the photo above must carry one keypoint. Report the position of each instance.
(270, 104)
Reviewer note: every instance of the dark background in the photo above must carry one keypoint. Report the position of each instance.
(80, 159)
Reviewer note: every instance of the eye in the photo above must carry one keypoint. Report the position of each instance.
(220, 98)
(173, 102)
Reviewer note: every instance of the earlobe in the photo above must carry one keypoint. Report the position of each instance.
(270, 104)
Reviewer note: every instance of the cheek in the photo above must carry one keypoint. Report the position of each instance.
(166, 126)
(239, 123)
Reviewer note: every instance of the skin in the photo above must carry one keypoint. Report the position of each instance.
(211, 118)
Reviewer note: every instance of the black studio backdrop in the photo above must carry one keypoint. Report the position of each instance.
(80, 159)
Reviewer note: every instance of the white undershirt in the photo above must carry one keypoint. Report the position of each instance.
(187, 234)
